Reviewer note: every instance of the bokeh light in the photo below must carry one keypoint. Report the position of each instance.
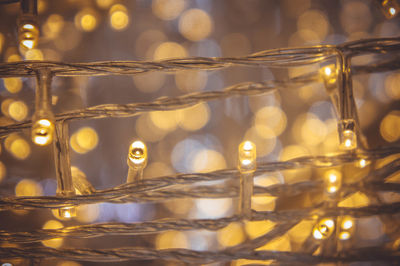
(168, 9)
(195, 24)
(119, 18)
(55, 242)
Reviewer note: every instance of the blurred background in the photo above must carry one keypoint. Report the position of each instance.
(285, 124)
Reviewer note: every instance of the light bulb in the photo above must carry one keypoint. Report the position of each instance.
(324, 228)
(347, 134)
(42, 132)
(247, 165)
(349, 140)
(362, 163)
(329, 76)
(137, 161)
(390, 8)
(344, 235)
(28, 35)
(347, 223)
(67, 212)
(333, 181)
(247, 156)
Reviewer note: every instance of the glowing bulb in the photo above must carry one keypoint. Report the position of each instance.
(247, 166)
(42, 132)
(344, 235)
(28, 35)
(247, 156)
(329, 76)
(137, 161)
(349, 140)
(333, 180)
(389, 8)
(323, 229)
(362, 163)
(347, 223)
(67, 212)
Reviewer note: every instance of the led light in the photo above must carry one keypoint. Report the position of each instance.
(323, 229)
(137, 161)
(67, 212)
(362, 163)
(42, 132)
(247, 156)
(344, 235)
(390, 8)
(28, 35)
(247, 165)
(347, 223)
(329, 76)
(349, 140)
(333, 181)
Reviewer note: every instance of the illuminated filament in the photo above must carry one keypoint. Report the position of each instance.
(28, 35)
(67, 212)
(247, 166)
(333, 181)
(324, 229)
(347, 223)
(42, 132)
(347, 226)
(137, 161)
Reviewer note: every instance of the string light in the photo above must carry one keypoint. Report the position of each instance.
(347, 223)
(247, 166)
(333, 181)
(324, 229)
(67, 212)
(28, 31)
(390, 8)
(42, 125)
(137, 161)
(329, 76)
(347, 135)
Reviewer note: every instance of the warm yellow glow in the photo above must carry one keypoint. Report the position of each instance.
(56, 242)
(344, 235)
(195, 24)
(138, 153)
(258, 228)
(28, 187)
(1, 41)
(362, 163)
(87, 213)
(3, 171)
(231, 235)
(167, 9)
(333, 180)
(168, 50)
(28, 26)
(119, 18)
(349, 141)
(147, 130)
(392, 11)
(329, 74)
(13, 85)
(323, 229)
(270, 119)
(53, 26)
(247, 156)
(165, 120)
(20, 148)
(42, 132)
(171, 239)
(356, 200)
(18, 110)
(347, 223)
(86, 20)
(85, 140)
(34, 54)
(314, 21)
(389, 127)
(104, 4)
(67, 212)
(28, 36)
(194, 118)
